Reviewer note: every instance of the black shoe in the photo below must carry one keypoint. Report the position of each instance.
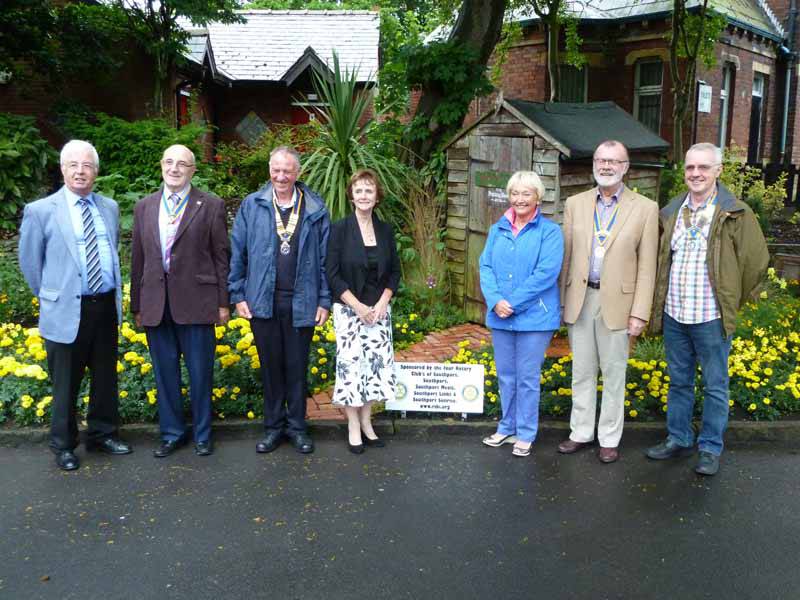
(167, 447)
(67, 461)
(109, 445)
(271, 441)
(355, 448)
(376, 443)
(668, 449)
(204, 448)
(302, 442)
(707, 464)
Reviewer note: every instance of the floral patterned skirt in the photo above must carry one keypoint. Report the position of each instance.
(364, 358)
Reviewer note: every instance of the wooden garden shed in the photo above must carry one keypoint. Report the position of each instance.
(557, 141)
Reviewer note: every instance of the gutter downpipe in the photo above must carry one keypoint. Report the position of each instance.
(789, 64)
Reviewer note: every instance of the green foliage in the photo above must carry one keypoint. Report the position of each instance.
(240, 169)
(24, 160)
(131, 149)
(16, 303)
(342, 146)
(744, 181)
(456, 71)
(699, 35)
(511, 34)
(59, 43)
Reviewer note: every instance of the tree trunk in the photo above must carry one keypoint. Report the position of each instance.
(478, 27)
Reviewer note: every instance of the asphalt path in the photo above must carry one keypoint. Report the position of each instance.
(427, 517)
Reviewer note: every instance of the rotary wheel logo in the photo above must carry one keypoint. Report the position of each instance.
(470, 393)
(401, 391)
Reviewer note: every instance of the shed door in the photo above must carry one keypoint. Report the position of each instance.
(492, 160)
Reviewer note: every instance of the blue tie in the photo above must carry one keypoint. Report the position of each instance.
(93, 273)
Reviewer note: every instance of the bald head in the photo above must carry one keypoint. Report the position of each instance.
(177, 167)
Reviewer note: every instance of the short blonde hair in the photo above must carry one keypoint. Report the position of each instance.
(526, 179)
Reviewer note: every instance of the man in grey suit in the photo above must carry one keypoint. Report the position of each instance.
(68, 255)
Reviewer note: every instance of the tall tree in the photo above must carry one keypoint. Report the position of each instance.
(156, 24)
(692, 37)
(450, 73)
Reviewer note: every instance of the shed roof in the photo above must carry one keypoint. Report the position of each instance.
(581, 127)
(271, 42)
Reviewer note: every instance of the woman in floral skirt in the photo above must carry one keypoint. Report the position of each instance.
(363, 272)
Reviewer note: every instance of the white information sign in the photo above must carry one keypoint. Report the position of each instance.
(704, 93)
(438, 387)
(497, 195)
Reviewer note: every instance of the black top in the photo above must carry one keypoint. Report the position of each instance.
(372, 288)
(286, 264)
(347, 263)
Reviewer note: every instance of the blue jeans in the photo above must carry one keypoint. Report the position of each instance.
(518, 357)
(685, 346)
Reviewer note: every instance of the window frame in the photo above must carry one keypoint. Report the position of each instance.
(648, 90)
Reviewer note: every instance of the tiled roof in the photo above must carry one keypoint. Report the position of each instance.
(271, 41)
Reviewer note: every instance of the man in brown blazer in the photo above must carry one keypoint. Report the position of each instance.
(179, 290)
(607, 282)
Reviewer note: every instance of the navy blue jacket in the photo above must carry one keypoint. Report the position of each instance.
(252, 275)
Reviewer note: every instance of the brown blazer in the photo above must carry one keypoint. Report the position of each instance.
(628, 277)
(198, 275)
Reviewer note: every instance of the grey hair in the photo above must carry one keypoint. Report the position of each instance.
(286, 150)
(707, 147)
(182, 147)
(527, 179)
(79, 146)
(613, 144)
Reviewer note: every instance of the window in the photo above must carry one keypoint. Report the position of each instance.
(573, 83)
(647, 102)
(728, 75)
(756, 116)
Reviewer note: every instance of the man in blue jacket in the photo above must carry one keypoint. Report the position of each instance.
(277, 281)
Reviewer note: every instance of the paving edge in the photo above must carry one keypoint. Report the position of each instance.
(784, 433)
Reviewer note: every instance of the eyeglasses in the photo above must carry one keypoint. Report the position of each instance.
(611, 162)
(701, 168)
(169, 163)
(74, 166)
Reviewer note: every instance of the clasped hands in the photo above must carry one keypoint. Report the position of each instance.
(503, 309)
(370, 315)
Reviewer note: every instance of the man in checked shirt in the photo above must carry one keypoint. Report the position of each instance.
(711, 260)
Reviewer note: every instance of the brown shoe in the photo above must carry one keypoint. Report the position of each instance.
(608, 455)
(570, 446)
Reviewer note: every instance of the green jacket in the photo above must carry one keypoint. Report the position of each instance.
(737, 257)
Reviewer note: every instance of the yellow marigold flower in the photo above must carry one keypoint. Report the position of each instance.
(123, 394)
(323, 376)
(627, 402)
(633, 413)
(322, 360)
(222, 349)
(767, 401)
(321, 351)
(86, 399)
(243, 344)
(314, 370)
(768, 371)
(752, 407)
(219, 331)
(151, 399)
(27, 401)
(331, 337)
(664, 408)
(39, 412)
(120, 367)
(145, 368)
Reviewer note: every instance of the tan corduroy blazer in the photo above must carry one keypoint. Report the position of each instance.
(627, 280)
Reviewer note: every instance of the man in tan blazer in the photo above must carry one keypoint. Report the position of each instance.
(607, 282)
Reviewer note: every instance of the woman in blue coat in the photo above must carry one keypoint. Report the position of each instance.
(519, 270)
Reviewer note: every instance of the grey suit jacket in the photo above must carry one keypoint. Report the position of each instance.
(50, 262)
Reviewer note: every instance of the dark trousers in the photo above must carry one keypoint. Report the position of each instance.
(95, 347)
(283, 353)
(168, 341)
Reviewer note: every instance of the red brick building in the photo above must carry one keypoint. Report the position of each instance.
(741, 100)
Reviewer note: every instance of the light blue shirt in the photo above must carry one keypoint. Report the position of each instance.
(163, 221)
(103, 243)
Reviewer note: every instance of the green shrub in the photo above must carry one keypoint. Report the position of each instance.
(24, 161)
(131, 149)
(17, 305)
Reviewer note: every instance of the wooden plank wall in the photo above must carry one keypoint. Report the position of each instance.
(457, 213)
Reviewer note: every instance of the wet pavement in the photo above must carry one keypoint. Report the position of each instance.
(439, 516)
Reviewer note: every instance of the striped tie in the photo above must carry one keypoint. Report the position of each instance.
(93, 273)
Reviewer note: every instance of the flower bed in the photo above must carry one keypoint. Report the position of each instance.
(25, 386)
(764, 366)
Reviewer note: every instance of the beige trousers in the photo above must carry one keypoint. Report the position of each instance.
(593, 344)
